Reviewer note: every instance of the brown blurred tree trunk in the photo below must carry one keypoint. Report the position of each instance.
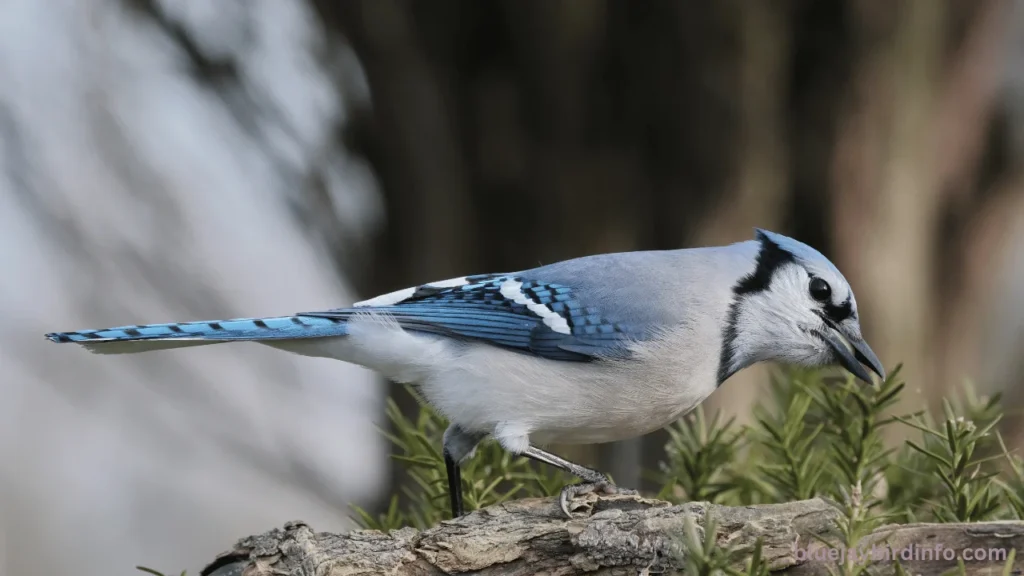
(886, 200)
(908, 186)
(757, 192)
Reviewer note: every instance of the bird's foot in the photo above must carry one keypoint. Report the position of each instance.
(603, 486)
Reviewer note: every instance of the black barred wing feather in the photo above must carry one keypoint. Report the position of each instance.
(544, 319)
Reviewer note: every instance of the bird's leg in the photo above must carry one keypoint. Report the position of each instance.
(458, 445)
(454, 484)
(592, 480)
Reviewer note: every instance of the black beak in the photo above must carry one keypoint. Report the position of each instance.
(862, 353)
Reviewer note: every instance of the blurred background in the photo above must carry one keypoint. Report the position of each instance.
(187, 159)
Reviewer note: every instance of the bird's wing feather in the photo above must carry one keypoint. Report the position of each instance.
(549, 320)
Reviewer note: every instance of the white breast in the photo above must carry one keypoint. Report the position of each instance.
(521, 398)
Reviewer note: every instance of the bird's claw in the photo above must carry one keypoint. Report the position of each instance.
(603, 487)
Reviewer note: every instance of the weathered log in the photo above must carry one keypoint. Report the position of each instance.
(615, 535)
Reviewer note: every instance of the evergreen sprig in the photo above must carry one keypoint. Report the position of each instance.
(700, 454)
(492, 476)
(968, 490)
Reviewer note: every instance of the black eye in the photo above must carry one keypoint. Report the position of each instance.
(820, 290)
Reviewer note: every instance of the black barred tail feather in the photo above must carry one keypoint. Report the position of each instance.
(146, 337)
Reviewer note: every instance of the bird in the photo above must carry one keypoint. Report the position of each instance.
(588, 350)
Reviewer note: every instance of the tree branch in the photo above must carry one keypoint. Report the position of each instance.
(615, 535)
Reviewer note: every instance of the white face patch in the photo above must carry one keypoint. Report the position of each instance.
(512, 289)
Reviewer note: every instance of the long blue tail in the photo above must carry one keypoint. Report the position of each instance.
(145, 337)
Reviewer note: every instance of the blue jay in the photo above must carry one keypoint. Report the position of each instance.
(589, 350)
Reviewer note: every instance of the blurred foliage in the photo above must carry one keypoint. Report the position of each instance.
(816, 435)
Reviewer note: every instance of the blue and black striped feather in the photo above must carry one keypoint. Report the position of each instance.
(478, 311)
(284, 327)
(473, 312)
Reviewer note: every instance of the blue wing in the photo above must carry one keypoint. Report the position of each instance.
(544, 319)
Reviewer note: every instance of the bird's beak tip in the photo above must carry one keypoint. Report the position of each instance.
(864, 354)
(855, 363)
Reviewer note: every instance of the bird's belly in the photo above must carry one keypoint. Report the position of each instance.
(561, 402)
(599, 433)
(619, 417)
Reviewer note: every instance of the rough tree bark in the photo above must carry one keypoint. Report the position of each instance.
(614, 535)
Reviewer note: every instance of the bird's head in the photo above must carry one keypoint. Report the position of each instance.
(794, 307)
